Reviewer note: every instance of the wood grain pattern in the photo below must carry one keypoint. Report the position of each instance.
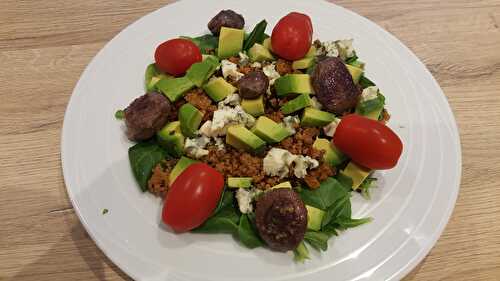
(45, 45)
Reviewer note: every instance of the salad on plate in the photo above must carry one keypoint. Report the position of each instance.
(262, 137)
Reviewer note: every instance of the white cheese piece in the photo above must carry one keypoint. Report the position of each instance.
(278, 162)
(219, 143)
(195, 147)
(223, 118)
(230, 69)
(271, 73)
(330, 49)
(302, 163)
(369, 93)
(316, 104)
(331, 127)
(244, 59)
(244, 198)
(289, 122)
(256, 64)
(233, 99)
(345, 48)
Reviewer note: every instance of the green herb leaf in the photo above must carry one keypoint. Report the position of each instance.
(345, 223)
(339, 209)
(301, 253)
(256, 35)
(365, 187)
(105, 211)
(365, 82)
(120, 114)
(346, 181)
(351, 59)
(225, 221)
(226, 200)
(206, 42)
(323, 197)
(151, 72)
(317, 240)
(143, 157)
(248, 234)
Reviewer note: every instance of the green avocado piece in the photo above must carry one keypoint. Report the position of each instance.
(332, 155)
(218, 89)
(267, 44)
(179, 167)
(259, 53)
(243, 182)
(241, 138)
(356, 73)
(254, 107)
(230, 42)
(172, 138)
(303, 63)
(314, 218)
(269, 130)
(316, 118)
(297, 103)
(190, 118)
(199, 72)
(174, 88)
(293, 84)
(371, 108)
(285, 184)
(357, 173)
(311, 53)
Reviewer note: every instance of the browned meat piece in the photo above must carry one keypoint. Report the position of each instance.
(276, 116)
(253, 85)
(158, 183)
(281, 219)
(200, 100)
(146, 115)
(284, 67)
(301, 143)
(333, 86)
(227, 18)
(316, 176)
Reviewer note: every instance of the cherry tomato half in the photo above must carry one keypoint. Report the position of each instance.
(175, 56)
(292, 36)
(368, 142)
(192, 197)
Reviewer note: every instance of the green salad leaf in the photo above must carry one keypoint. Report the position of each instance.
(318, 240)
(256, 36)
(206, 43)
(224, 221)
(364, 82)
(143, 157)
(301, 253)
(247, 233)
(366, 185)
(323, 197)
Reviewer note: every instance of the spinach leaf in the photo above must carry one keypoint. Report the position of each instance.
(301, 253)
(248, 234)
(206, 42)
(339, 209)
(226, 199)
(318, 240)
(120, 114)
(323, 197)
(345, 223)
(143, 157)
(225, 221)
(256, 35)
(365, 82)
(351, 59)
(346, 181)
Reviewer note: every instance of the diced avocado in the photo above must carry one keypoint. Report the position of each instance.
(285, 184)
(358, 64)
(181, 165)
(172, 138)
(241, 138)
(293, 84)
(174, 88)
(332, 155)
(311, 53)
(303, 63)
(355, 73)
(314, 217)
(316, 118)
(267, 44)
(297, 103)
(269, 130)
(244, 182)
(218, 89)
(357, 173)
(259, 53)
(190, 119)
(374, 115)
(254, 107)
(371, 108)
(230, 42)
(199, 72)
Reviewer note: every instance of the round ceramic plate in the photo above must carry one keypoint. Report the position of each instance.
(410, 207)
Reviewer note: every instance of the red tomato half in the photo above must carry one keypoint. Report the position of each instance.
(192, 197)
(175, 56)
(292, 36)
(368, 142)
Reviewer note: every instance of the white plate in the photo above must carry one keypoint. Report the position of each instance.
(410, 208)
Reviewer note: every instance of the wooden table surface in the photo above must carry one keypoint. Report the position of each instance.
(45, 45)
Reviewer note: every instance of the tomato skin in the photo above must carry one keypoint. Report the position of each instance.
(192, 197)
(175, 56)
(368, 142)
(292, 36)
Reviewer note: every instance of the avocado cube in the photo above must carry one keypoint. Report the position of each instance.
(269, 130)
(285, 184)
(172, 138)
(241, 138)
(293, 84)
(355, 72)
(297, 103)
(199, 72)
(314, 218)
(316, 118)
(303, 63)
(332, 155)
(254, 107)
(357, 173)
(230, 42)
(243, 182)
(311, 53)
(174, 88)
(218, 89)
(179, 167)
(371, 108)
(259, 53)
(190, 118)
(267, 44)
